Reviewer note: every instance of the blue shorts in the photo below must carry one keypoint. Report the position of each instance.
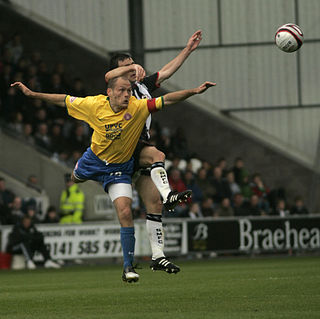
(90, 166)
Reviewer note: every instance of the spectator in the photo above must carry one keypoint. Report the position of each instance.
(7, 56)
(56, 85)
(16, 212)
(27, 134)
(222, 163)
(246, 188)
(57, 140)
(239, 205)
(175, 164)
(5, 80)
(33, 83)
(204, 183)
(176, 181)
(253, 207)
(233, 186)
(32, 71)
(26, 239)
(43, 76)
(239, 171)
(281, 209)
(225, 209)
(258, 187)
(33, 183)
(31, 212)
(78, 88)
(42, 138)
(60, 70)
(222, 189)
(299, 208)
(275, 195)
(41, 116)
(71, 203)
(191, 184)
(36, 57)
(177, 184)
(52, 216)
(164, 143)
(73, 159)
(16, 123)
(33, 107)
(208, 167)
(78, 140)
(6, 195)
(6, 198)
(207, 207)
(22, 65)
(195, 211)
(153, 136)
(5, 215)
(16, 47)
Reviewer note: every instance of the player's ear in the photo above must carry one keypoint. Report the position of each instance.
(109, 91)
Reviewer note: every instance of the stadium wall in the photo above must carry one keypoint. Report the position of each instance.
(90, 22)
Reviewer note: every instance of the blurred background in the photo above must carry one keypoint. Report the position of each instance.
(263, 112)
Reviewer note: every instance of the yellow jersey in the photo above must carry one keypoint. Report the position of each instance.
(115, 135)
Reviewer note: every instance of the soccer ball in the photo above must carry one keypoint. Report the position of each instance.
(289, 37)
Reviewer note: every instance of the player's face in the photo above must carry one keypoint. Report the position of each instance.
(120, 95)
(132, 74)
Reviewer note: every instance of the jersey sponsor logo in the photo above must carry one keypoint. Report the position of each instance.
(113, 131)
(127, 116)
(72, 98)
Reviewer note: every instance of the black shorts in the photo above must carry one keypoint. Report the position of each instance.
(136, 155)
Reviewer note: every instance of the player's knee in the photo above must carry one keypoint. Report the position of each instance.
(125, 215)
(159, 156)
(154, 205)
(75, 179)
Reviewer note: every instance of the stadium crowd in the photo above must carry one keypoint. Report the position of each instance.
(219, 188)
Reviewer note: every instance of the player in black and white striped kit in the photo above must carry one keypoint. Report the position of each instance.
(153, 182)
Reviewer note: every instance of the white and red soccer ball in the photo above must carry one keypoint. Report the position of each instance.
(289, 37)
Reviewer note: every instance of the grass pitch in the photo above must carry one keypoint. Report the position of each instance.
(229, 288)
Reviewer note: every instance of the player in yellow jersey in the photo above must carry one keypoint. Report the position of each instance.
(151, 182)
(117, 121)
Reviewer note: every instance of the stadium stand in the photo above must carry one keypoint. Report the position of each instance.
(51, 131)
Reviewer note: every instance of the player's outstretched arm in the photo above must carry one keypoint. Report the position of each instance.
(124, 70)
(57, 99)
(178, 96)
(169, 69)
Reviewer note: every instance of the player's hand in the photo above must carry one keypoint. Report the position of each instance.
(140, 72)
(22, 88)
(204, 87)
(194, 40)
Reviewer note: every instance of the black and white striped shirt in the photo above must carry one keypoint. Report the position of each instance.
(143, 90)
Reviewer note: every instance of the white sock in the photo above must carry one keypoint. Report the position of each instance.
(156, 235)
(160, 179)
